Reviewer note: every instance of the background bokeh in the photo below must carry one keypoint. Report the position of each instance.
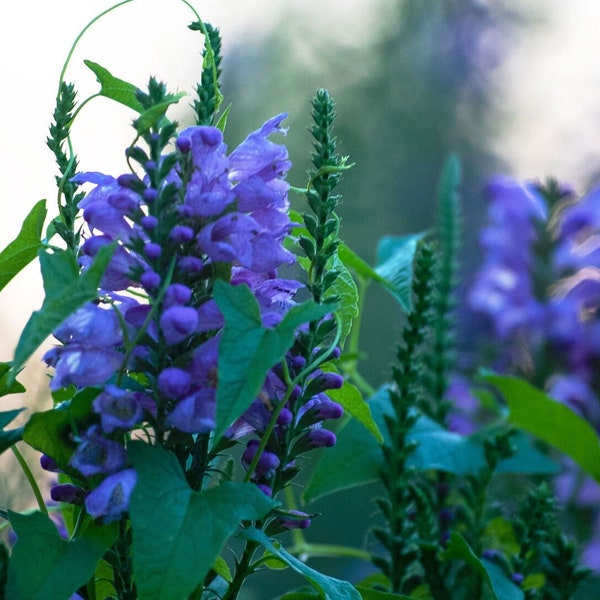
(509, 86)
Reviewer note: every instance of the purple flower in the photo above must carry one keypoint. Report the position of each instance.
(177, 323)
(267, 463)
(174, 383)
(111, 498)
(257, 155)
(118, 408)
(67, 492)
(97, 454)
(90, 356)
(295, 519)
(196, 413)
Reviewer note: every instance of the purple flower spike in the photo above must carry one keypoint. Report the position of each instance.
(111, 498)
(178, 322)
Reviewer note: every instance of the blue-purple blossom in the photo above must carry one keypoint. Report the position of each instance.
(111, 498)
(96, 454)
(90, 355)
(118, 408)
(195, 413)
(177, 323)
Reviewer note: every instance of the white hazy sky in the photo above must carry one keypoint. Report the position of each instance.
(550, 90)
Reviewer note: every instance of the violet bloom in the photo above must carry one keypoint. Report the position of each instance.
(91, 355)
(178, 323)
(96, 454)
(195, 413)
(118, 408)
(111, 498)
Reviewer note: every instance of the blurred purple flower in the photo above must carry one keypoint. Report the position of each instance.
(111, 498)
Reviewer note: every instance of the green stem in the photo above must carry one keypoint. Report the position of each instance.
(30, 478)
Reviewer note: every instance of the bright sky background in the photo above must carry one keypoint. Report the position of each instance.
(550, 91)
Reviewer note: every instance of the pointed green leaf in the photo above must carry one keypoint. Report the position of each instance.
(152, 116)
(329, 587)
(61, 300)
(346, 292)
(358, 265)
(178, 533)
(395, 264)
(549, 420)
(114, 88)
(51, 432)
(43, 566)
(8, 384)
(503, 588)
(222, 122)
(248, 350)
(24, 248)
(369, 594)
(354, 405)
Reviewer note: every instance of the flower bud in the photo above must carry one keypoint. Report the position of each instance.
(174, 383)
(181, 234)
(67, 492)
(178, 322)
(150, 280)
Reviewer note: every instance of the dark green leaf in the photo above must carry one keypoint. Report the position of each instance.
(329, 587)
(248, 350)
(114, 88)
(10, 437)
(24, 248)
(369, 594)
(9, 415)
(51, 431)
(551, 421)
(178, 533)
(74, 291)
(45, 567)
(8, 384)
(503, 588)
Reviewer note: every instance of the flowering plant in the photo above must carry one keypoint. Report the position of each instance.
(207, 344)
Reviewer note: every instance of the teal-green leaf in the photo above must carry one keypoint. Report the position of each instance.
(65, 292)
(358, 265)
(549, 420)
(248, 350)
(503, 588)
(24, 248)
(51, 431)
(328, 587)
(114, 88)
(178, 533)
(43, 566)
(395, 264)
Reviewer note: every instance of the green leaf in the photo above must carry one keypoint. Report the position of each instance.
(395, 264)
(152, 116)
(248, 350)
(114, 88)
(457, 548)
(51, 431)
(8, 385)
(45, 567)
(346, 292)
(10, 437)
(549, 420)
(358, 265)
(328, 587)
(222, 122)
(24, 248)
(354, 404)
(369, 594)
(66, 291)
(178, 533)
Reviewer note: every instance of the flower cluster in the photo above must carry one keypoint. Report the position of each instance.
(539, 287)
(149, 345)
